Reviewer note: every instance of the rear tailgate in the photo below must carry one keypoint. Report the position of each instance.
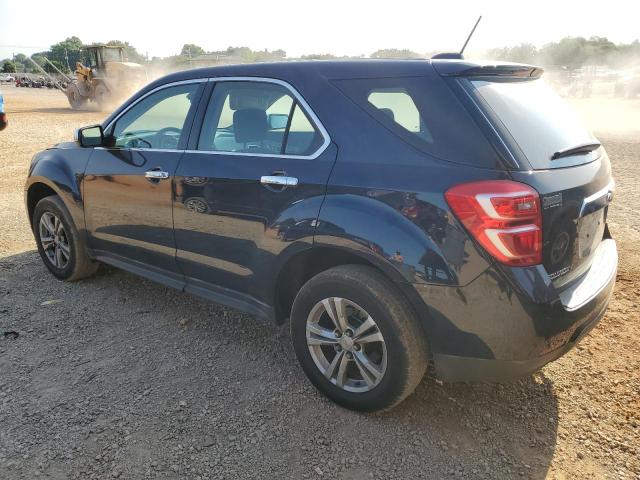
(559, 158)
(574, 213)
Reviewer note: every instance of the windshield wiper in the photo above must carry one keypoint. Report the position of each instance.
(577, 149)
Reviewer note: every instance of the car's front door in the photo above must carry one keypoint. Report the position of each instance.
(128, 186)
(248, 188)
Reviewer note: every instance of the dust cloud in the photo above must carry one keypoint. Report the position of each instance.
(607, 100)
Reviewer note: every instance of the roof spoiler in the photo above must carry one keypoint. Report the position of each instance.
(448, 56)
(521, 71)
(472, 69)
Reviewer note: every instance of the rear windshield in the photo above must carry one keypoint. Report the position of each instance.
(539, 121)
(425, 113)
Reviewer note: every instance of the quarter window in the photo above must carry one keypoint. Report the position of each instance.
(423, 112)
(397, 105)
(157, 121)
(257, 118)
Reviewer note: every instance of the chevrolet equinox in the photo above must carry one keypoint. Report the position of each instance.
(398, 214)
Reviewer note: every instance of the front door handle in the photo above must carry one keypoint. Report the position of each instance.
(279, 180)
(156, 174)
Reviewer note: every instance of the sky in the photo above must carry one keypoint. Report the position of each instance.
(342, 27)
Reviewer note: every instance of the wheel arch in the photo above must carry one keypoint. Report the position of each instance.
(36, 192)
(304, 265)
(58, 171)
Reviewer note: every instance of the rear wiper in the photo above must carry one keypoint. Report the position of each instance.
(577, 149)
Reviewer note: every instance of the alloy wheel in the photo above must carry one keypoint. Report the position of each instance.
(346, 344)
(54, 240)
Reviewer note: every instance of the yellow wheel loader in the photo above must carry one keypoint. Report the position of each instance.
(107, 78)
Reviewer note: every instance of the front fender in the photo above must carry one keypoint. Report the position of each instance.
(61, 170)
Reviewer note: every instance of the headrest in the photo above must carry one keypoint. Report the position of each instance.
(250, 125)
(389, 113)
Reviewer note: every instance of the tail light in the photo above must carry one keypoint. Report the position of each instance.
(503, 216)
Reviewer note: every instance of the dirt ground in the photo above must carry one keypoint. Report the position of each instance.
(117, 377)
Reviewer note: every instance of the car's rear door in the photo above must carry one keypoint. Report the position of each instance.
(250, 187)
(128, 186)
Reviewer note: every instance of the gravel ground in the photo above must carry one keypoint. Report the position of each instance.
(117, 377)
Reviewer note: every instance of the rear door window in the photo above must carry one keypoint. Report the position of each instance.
(424, 112)
(537, 119)
(257, 118)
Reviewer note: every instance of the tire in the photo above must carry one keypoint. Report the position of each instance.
(76, 100)
(70, 260)
(101, 96)
(400, 359)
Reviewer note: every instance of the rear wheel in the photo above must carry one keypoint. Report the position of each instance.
(101, 96)
(59, 244)
(356, 338)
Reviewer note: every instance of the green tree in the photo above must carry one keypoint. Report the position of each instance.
(600, 50)
(191, 50)
(570, 52)
(395, 53)
(130, 53)
(67, 52)
(8, 67)
(38, 58)
(319, 56)
(523, 53)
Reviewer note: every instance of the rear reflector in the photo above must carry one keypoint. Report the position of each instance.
(503, 216)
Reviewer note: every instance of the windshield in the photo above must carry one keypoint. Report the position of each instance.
(539, 121)
(111, 55)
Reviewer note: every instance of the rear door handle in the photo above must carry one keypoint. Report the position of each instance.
(279, 180)
(156, 174)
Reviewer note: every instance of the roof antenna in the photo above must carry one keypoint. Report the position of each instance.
(469, 37)
(458, 55)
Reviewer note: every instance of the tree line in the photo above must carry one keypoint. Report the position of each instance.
(64, 56)
(572, 53)
(569, 52)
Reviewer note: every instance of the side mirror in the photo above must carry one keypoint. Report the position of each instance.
(278, 121)
(90, 136)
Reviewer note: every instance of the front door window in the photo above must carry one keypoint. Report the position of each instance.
(157, 121)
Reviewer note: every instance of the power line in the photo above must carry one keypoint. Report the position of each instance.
(22, 46)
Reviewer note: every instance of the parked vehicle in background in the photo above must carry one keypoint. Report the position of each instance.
(3, 116)
(628, 85)
(395, 213)
(6, 78)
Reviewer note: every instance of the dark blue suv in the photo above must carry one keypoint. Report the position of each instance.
(396, 213)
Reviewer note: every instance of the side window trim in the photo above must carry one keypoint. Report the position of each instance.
(287, 129)
(189, 119)
(298, 100)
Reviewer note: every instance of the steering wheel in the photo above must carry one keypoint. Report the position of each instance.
(131, 141)
(168, 141)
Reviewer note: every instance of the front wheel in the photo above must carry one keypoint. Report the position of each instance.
(76, 100)
(59, 244)
(356, 338)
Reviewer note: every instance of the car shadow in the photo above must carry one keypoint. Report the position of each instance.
(115, 337)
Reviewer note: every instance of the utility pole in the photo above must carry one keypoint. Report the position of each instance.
(66, 56)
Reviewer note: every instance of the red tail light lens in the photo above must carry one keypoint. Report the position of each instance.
(503, 216)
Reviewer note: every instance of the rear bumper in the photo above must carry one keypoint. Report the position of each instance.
(510, 322)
